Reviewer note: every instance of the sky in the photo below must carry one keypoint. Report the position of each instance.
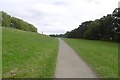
(58, 16)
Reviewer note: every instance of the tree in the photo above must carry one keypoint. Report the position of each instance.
(116, 23)
(6, 19)
(105, 28)
(0, 18)
(93, 30)
(13, 22)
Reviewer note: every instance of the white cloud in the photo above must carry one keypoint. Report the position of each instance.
(50, 9)
(119, 4)
(58, 16)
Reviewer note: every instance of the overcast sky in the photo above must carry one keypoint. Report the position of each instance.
(58, 16)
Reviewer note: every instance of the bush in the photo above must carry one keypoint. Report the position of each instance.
(13, 22)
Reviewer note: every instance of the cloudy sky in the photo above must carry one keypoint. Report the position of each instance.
(58, 16)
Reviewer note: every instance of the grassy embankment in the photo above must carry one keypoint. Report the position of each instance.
(102, 56)
(27, 54)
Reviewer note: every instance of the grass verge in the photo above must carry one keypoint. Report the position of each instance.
(101, 56)
(27, 54)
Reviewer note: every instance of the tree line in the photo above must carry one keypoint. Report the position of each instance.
(13, 22)
(105, 28)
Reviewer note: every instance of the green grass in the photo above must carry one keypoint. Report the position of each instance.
(27, 54)
(0, 52)
(101, 56)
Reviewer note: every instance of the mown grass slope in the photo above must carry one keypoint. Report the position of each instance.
(28, 54)
(100, 55)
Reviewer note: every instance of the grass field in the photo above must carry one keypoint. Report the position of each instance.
(27, 54)
(100, 55)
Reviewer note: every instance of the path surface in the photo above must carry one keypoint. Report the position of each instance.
(69, 64)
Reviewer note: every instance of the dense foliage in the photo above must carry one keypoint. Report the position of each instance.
(106, 28)
(0, 18)
(13, 22)
(56, 35)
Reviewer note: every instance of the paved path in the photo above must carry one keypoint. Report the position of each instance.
(69, 64)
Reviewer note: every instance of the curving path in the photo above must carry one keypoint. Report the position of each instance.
(70, 65)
